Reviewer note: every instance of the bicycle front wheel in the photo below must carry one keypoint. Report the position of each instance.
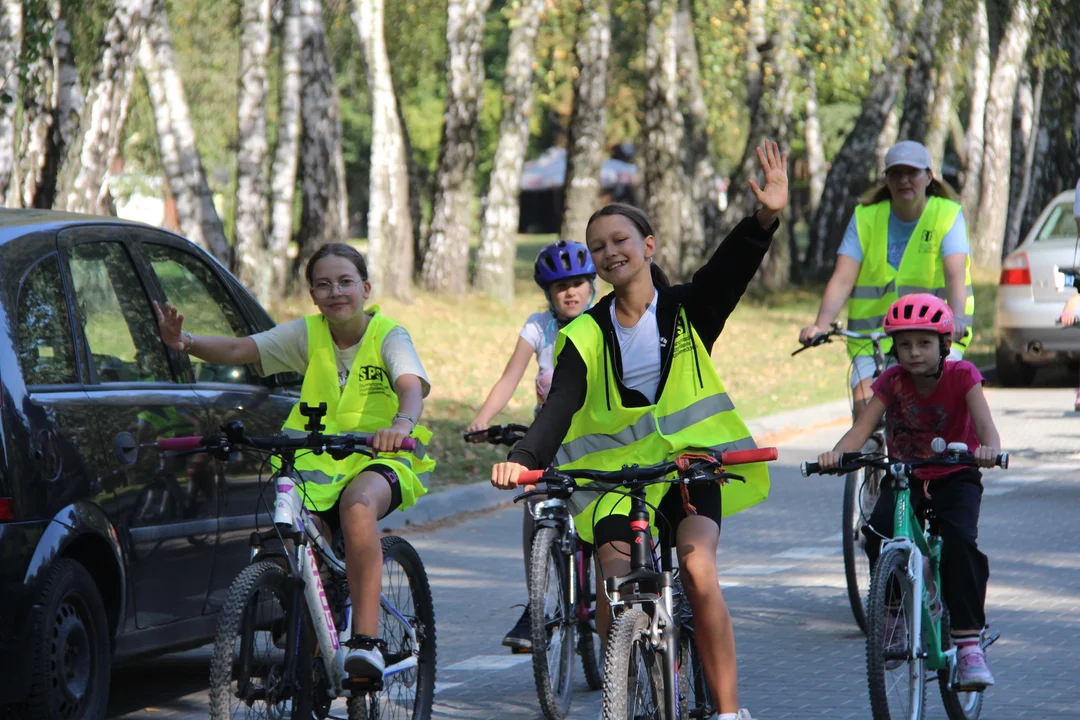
(693, 692)
(588, 640)
(860, 496)
(896, 676)
(552, 623)
(633, 671)
(262, 661)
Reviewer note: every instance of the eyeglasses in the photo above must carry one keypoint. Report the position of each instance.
(323, 289)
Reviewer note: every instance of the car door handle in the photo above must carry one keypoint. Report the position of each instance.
(125, 449)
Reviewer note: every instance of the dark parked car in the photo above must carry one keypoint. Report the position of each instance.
(110, 549)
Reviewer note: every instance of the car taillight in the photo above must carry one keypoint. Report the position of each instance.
(1015, 270)
(7, 510)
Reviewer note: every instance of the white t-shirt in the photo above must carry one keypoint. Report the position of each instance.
(284, 348)
(640, 350)
(540, 331)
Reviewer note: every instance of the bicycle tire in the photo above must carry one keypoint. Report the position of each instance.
(589, 645)
(384, 705)
(889, 569)
(958, 705)
(629, 650)
(239, 620)
(856, 564)
(694, 700)
(549, 610)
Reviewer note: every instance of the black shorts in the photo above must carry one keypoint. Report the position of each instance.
(332, 515)
(705, 497)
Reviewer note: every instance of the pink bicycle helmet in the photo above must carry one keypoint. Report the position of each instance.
(919, 312)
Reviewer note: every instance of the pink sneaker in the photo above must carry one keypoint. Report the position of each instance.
(1076, 405)
(974, 674)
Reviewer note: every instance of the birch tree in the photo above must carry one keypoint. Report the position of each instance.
(498, 227)
(815, 145)
(180, 158)
(1030, 106)
(283, 177)
(940, 109)
(585, 148)
(10, 48)
(913, 119)
(990, 219)
(81, 187)
(323, 216)
(979, 41)
(445, 265)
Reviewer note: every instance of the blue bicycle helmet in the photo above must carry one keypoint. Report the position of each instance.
(563, 260)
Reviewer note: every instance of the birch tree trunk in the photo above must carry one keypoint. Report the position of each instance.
(390, 222)
(979, 40)
(250, 261)
(990, 220)
(445, 267)
(913, 120)
(850, 171)
(1053, 165)
(323, 216)
(1018, 206)
(890, 133)
(195, 210)
(585, 148)
(940, 111)
(666, 182)
(499, 225)
(37, 113)
(286, 154)
(11, 17)
(815, 146)
(81, 187)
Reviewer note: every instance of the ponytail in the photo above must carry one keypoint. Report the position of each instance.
(659, 277)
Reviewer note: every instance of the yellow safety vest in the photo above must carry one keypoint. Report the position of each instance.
(367, 403)
(693, 413)
(921, 269)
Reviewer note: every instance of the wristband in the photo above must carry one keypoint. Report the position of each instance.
(190, 340)
(402, 416)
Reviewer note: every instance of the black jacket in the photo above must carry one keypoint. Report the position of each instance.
(709, 298)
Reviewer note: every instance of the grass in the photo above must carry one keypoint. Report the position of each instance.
(465, 342)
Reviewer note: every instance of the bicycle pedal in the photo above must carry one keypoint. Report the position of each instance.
(362, 684)
(520, 651)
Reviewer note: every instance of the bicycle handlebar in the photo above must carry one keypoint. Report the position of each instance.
(277, 443)
(507, 434)
(838, 331)
(636, 473)
(855, 460)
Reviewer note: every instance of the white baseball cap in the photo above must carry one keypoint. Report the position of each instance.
(910, 153)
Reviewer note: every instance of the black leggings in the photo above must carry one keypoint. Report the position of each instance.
(953, 507)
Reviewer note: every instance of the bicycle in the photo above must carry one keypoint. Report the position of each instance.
(650, 658)
(562, 596)
(278, 650)
(900, 578)
(861, 488)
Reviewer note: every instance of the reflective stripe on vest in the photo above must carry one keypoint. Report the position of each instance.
(366, 404)
(688, 416)
(921, 269)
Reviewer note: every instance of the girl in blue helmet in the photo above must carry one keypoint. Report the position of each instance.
(565, 272)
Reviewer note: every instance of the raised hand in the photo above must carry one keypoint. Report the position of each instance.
(774, 196)
(170, 325)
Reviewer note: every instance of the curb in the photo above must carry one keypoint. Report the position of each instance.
(768, 430)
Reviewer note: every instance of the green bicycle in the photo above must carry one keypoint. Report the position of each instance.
(900, 597)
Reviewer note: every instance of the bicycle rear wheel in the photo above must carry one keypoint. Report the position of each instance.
(552, 623)
(589, 646)
(958, 705)
(896, 678)
(251, 672)
(633, 671)
(860, 496)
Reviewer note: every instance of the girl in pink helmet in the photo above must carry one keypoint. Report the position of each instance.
(922, 398)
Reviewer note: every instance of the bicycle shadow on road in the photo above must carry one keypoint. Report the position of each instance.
(137, 690)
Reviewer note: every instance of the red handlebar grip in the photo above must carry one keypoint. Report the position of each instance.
(193, 442)
(530, 477)
(743, 457)
(408, 444)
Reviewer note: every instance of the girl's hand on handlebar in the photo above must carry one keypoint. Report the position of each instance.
(1067, 318)
(170, 324)
(504, 475)
(390, 439)
(828, 460)
(987, 456)
(808, 333)
(476, 426)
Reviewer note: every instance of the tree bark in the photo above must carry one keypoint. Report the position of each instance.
(979, 40)
(913, 120)
(446, 261)
(499, 225)
(940, 110)
(1018, 206)
(585, 149)
(815, 146)
(990, 220)
(179, 153)
(890, 133)
(250, 259)
(390, 222)
(323, 215)
(286, 153)
(849, 174)
(11, 20)
(81, 187)
(666, 181)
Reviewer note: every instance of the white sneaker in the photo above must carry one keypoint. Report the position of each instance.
(365, 657)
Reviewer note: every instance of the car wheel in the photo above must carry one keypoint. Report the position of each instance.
(1011, 370)
(71, 656)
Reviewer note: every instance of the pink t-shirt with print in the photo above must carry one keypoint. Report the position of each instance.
(912, 422)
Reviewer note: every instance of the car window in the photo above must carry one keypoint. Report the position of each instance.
(116, 319)
(46, 351)
(191, 286)
(1060, 223)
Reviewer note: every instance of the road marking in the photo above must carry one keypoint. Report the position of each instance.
(998, 490)
(838, 537)
(809, 553)
(1017, 479)
(491, 662)
(1054, 467)
(440, 686)
(756, 569)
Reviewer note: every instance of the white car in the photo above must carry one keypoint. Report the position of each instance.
(1031, 294)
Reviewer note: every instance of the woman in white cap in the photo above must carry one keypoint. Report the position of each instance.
(907, 236)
